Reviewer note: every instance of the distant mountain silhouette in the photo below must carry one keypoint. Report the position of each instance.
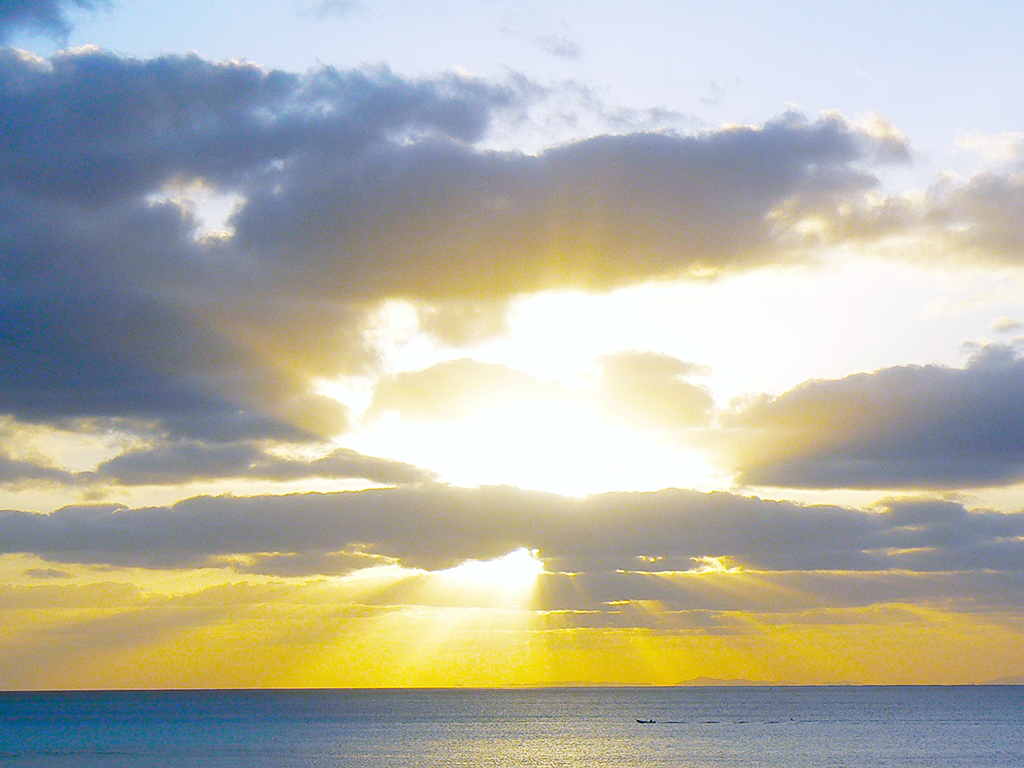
(717, 681)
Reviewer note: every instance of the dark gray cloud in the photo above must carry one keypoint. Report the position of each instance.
(172, 462)
(701, 603)
(118, 127)
(192, 461)
(352, 187)
(903, 427)
(608, 211)
(49, 16)
(21, 472)
(111, 306)
(438, 526)
(118, 356)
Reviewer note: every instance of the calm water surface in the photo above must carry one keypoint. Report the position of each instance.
(785, 727)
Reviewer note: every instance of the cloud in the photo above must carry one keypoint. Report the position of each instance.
(192, 461)
(354, 187)
(112, 306)
(975, 218)
(331, 9)
(46, 573)
(716, 91)
(558, 45)
(1006, 324)
(49, 16)
(20, 472)
(956, 220)
(438, 220)
(186, 117)
(457, 389)
(173, 462)
(639, 390)
(437, 526)
(902, 427)
(710, 602)
(350, 188)
(464, 323)
(118, 356)
(648, 390)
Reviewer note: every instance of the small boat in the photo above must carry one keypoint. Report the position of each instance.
(644, 722)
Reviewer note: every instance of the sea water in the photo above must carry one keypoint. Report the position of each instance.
(706, 727)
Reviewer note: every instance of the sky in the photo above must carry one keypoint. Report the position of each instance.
(372, 343)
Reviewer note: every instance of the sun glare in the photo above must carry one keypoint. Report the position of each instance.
(506, 581)
(517, 567)
(562, 448)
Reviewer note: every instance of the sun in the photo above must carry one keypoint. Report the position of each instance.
(536, 421)
(514, 573)
(561, 448)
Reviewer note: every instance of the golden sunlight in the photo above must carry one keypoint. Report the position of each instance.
(562, 448)
(509, 579)
(471, 624)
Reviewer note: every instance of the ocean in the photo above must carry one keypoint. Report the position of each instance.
(694, 727)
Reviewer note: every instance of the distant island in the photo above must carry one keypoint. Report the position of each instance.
(1016, 680)
(710, 682)
(718, 682)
